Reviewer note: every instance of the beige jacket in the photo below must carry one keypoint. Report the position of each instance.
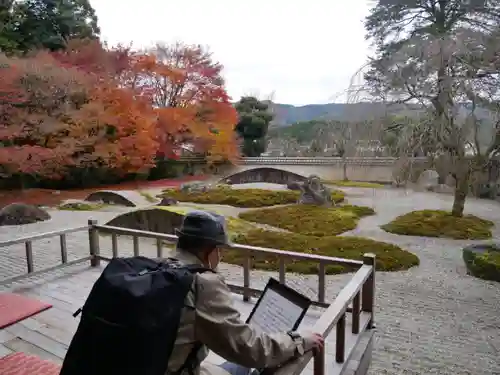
(209, 318)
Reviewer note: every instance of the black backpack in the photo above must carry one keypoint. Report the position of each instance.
(130, 319)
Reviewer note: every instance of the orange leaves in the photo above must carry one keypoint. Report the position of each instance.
(72, 118)
(92, 57)
(119, 128)
(187, 90)
(92, 107)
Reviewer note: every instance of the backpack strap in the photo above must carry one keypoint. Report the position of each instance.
(189, 365)
(190, 362)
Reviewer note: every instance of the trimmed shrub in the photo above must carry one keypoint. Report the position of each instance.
(437, 223)
(310, 220)
(483, 261)
(241, 197)
(389, 257)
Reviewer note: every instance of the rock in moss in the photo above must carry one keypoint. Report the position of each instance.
(436, 223)
(167, 201)
(241, 197)
(389, 257)
(310, 220)
(20, 213)
(483, 261)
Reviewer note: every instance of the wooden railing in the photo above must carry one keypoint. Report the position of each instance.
(359, 292)
(28, 245)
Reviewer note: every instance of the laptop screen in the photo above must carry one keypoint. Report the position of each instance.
(279, 309)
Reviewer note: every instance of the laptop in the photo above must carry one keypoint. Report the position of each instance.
(279, 309)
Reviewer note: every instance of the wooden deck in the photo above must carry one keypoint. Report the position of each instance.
(48, 334)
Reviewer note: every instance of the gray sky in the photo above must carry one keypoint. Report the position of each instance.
(305, 51)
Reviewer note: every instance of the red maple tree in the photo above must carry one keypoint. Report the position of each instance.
(187, 89)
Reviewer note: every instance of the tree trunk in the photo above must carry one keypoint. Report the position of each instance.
(461, 191)
(344, 166)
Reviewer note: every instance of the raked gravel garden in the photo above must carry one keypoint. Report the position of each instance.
(432, 317)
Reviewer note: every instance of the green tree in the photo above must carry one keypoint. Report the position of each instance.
(440, 54)
(254, 119)
(8, 38)
(45, 24)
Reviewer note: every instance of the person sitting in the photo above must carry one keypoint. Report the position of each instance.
(209, 321)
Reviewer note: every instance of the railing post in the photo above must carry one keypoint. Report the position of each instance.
(282, 271)
(94, 244)
(29, 256)
(355, 313)
(319, 362)
(368, 292)
(246, 277)
(321, 283)
(340, 340)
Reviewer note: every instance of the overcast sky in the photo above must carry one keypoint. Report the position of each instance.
(305, 51)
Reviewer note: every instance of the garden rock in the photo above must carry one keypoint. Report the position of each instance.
(20, 214)
(314, 192)
(167, 201)
(195, 187)
(294, 185)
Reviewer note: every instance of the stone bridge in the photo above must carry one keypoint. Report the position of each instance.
(284, 169)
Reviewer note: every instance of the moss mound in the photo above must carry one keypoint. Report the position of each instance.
(436, 223)
(310, 220)
(483, 261)
(361, 184)
(242, 197)
(389, 257)
(80, 206)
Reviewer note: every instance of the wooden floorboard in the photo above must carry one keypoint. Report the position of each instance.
(48, 334)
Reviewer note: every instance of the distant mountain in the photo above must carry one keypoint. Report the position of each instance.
(304, 125)
(286, 114)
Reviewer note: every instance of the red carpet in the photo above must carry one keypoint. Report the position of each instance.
(15, 307)
(24, 364)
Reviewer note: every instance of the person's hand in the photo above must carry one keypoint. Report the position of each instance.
(313, 341)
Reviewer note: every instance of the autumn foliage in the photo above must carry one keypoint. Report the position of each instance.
(90, 107)
(187, 90)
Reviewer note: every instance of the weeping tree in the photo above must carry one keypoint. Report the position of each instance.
(444, 56)
(349, 138)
